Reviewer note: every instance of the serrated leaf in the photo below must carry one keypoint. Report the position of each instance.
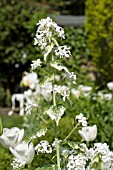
(46, 80)
(58, 66)
(56, 112)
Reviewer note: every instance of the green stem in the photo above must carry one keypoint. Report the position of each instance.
(55, 130)
(42, 118)
(71, 132)
(58, 153)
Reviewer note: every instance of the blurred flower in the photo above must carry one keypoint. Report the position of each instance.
(81, 119)
(88, 133)
(11, 136)
(62, 90)
(110, 86)
(107, 96)
(24, 152)
(75, 93)
(30, 80)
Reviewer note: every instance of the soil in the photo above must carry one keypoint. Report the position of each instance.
(5, 110)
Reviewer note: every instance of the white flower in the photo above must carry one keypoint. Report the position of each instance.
(103, 96)
(110, 86)
(30, 80)
(76, 162)
(43, 147)
(72, 76)
(18, 164)
(39, 133)
(35, 64)
(76, 93)
(62, 90)
(88, 133)
(107, 96)
(84, 88)
(29, 107)
(24, 152)
(11, 136)
(63, 51)
(81, 119)
(45, 31)
(102, 152)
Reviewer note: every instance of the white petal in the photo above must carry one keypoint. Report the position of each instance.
(21, 135)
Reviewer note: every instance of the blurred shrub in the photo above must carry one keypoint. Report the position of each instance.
(99, 24)
(2, 96)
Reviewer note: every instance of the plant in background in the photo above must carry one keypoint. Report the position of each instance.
(65, 154)
(99, 24)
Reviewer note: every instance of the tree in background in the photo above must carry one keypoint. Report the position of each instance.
(17, 22)
(65, 7)
(99, 23)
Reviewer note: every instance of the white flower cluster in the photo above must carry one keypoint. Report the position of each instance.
(82, 90)
(29, 107)
(17, 164)
(62, 90)
(63, 51)
(81, 119)
(102, 151)
(45, 30)
(104, 96)
(87, 159)
(76, 162)
(39, 133)
(43, 147)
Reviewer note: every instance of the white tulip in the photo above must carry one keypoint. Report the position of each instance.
(24, 152)
(88, 133)
(11, 136)
(110, 85)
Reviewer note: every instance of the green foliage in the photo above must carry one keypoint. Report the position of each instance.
(99, 23)
(65, 7)
(2, 96)
(76, 39)
(99, 112)
(5, 159)
(11, 121)
(17, 24)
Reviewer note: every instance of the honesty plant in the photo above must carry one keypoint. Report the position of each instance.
(68, 155)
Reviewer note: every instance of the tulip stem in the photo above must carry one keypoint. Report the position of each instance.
(71, 132)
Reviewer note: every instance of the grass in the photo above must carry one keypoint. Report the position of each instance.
(11, 121)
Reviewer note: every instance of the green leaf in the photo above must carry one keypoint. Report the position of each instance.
(52, 167)
(47, 79)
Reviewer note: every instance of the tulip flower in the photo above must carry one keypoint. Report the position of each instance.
(23, 151)
(110, 86)
(11, 136)
(88, 133)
